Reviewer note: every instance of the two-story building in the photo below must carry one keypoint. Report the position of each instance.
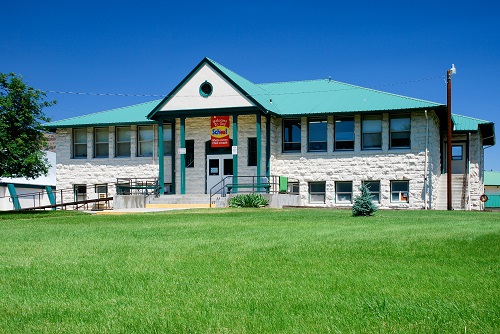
(326, 137)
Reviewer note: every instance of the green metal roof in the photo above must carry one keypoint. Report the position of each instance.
(135, 114)
(492, 178)
(327, 96)
(465, 123)
(470, 124)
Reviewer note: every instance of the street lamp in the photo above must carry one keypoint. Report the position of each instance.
(449, 73)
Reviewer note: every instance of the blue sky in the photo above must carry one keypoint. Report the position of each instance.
(148, 47)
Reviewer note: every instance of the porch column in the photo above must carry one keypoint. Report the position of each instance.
(259, 144)
(235, 156)
(183, 155)
(268, 146)
(172, 150)
(161, 160)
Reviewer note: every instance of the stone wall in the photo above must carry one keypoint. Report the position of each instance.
(383, 165)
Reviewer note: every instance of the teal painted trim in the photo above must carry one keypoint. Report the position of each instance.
(202, 93)
(172, 164)
(13, 195)
(493, 201)
(183, 156)
(207, 112)
(50, 195)
(268, 147)
(259, 143)
(161, 158)
(235, 156)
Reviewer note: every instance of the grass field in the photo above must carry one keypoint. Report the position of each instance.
(250, 271)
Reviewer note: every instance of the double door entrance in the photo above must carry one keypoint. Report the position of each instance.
(218, 167)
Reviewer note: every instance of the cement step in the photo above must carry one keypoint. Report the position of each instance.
(177, 206)
(181, 199)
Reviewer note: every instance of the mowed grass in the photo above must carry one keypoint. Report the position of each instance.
(250, 271)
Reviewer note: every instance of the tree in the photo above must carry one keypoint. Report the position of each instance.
(21, 133)
(363, 204)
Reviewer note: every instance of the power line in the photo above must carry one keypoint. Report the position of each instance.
(353, 87)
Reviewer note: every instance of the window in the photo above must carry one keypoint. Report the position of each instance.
(189, 158)
(399, 191)
(122, 145)
(167, 139)
(400, 131)
(372, 132)
(317, 192)
(343, 192)
(101, 189)
(101, 143)
(374, 187)
(456, 152)
(145, 141)
(252, 151)
(291, 135)
(80, 143)
(293, 187)
(80, 192)
(344, 133)
(317, 134)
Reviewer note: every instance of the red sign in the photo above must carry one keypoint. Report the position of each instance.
(219, 132)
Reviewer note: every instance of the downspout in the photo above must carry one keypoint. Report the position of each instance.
(468, 172)
(425, 164)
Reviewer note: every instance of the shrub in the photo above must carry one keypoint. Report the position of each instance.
(363, 204)
(248, 201)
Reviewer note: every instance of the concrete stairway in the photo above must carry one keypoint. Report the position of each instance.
(179, 202)
(458, 189)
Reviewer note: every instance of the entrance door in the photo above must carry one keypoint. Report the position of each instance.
(458, 158)
(218, 168)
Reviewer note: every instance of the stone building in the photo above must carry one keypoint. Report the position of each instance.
(217, 131)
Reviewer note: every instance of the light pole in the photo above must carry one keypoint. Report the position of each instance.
(449, 73)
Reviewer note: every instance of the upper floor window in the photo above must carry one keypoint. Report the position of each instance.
(80, 143)
(371, 128)
(317, 128)
(145, 141)
(344, 133)
(122, 142)
(167, 139)
(400, 131)
(101, 143)
(291, 135)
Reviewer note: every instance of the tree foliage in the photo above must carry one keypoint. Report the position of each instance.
(21, 133)
(363, 204)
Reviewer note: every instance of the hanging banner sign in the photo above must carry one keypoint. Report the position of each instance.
(219, 131)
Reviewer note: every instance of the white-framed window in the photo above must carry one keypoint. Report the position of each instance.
(293, 187)
(145, 141)
(122, 141)
(400, 126)
(371, 128)
(374, 187)
(343, 192)
(317, 132)
(344, 133)
(80, 192)
(101, 189)
(317, 192)
(101, 143)
(399, 191)
(167, 139)
(291, 135)
(79, 143)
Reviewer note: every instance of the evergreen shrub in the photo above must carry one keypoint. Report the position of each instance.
(363, 204)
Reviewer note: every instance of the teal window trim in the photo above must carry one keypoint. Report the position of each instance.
(206, 89)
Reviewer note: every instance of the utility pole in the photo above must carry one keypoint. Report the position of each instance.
(449, 73)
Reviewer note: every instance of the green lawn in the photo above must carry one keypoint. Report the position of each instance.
(250, 271)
